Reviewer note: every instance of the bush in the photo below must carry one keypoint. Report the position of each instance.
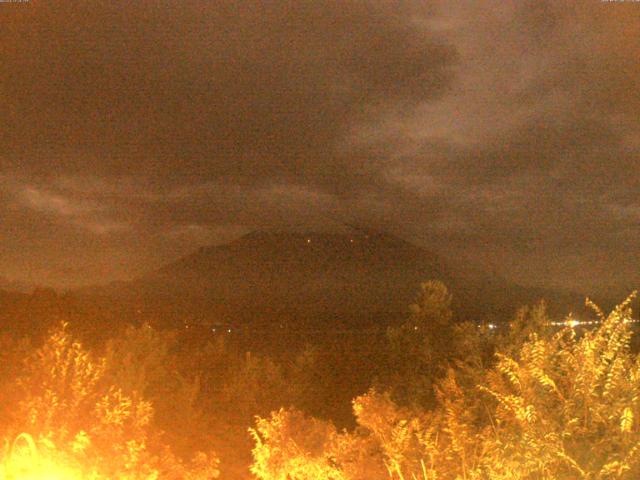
(72, 416)
(555, 406)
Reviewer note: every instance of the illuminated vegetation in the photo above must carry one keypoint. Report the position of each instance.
(66, 416)
(449, 401)
(555, 407)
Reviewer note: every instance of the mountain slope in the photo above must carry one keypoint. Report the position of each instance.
(306, 278)
(315, 281)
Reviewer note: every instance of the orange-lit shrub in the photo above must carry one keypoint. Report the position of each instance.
(78, 419)
(561, 407)
(293, 446)
(568, 407)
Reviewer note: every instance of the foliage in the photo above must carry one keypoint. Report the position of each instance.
(75, 416)
(293, 446)
(559, 406)
(420, 347)
(568, 407)
(458, 401)
(142, 362)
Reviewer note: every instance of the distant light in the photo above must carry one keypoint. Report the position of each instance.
(492, 326)
(415, 327)
(229, 330)
(573, 323)
(308, 240)
(351, 240)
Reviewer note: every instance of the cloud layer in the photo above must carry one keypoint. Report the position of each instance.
(503, 132)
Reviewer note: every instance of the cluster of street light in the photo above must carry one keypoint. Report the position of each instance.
(570, 322)
(573, 322)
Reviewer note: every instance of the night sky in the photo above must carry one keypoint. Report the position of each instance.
(503, 133)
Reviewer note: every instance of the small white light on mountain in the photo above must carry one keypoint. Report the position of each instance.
(308, 240)
(229, 330)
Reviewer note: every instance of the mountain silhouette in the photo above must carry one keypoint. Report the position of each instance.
(309, 279)
(274, 284)
(315, 281)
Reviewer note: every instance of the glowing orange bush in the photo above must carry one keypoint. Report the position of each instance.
(556, 407)
(78, 423)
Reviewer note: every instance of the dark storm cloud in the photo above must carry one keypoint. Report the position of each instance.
(506, 132)
(532, 158)
(245, 91)
(170, 120)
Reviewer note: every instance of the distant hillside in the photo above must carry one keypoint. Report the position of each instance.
(315, 281)
(292, 277)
